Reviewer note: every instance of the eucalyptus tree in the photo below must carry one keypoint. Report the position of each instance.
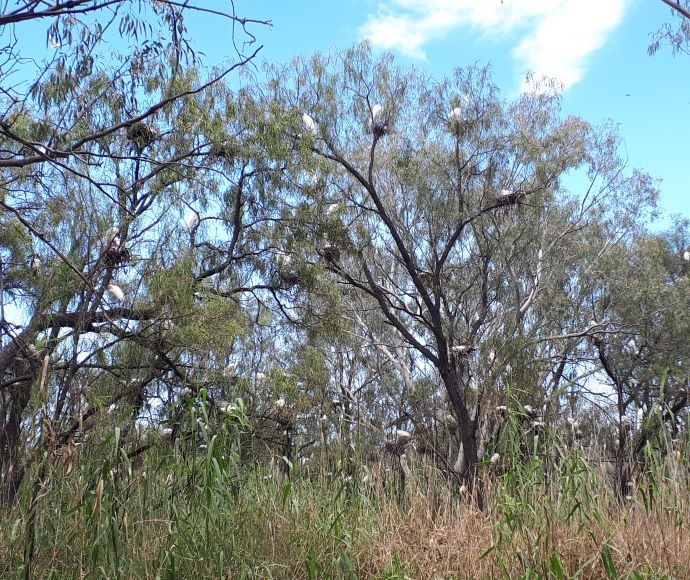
(675, 36)
(641, 343)
(103, 290)
(447, 208)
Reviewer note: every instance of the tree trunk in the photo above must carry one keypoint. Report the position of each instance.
(466, 464)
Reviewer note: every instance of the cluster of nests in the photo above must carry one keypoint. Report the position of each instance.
(287, 270)
(378, 124)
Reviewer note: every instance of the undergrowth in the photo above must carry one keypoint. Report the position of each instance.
(203, 510)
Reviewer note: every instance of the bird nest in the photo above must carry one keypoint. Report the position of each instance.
(141, 135)
(509, 198)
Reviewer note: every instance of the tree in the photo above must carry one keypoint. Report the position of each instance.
(445, 207)
(677, 37)
(102, 152)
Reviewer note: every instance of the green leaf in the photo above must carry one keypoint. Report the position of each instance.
(556, 566)
(607, 560)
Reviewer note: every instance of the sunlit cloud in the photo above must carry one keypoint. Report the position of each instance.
(548, 37)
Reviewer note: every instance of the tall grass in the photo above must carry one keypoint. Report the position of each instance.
(188, 512)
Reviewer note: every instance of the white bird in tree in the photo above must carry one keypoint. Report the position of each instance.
(378, 122)
(117, 292)
(191, 220)
(402, 437)
(309, 124)
(456, 115)
(283, 260)
(111, 237)
(686, 255)
(376, 112)
(230, 369)
(631, 347)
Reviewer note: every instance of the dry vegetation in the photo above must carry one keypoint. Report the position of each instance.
(183, 514)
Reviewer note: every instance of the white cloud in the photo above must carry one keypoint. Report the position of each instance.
(549, 37)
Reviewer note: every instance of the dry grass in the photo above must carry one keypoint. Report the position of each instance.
(197, 520)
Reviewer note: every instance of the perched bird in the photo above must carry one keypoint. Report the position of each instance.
(686, 255)
(378, 123)
(376, 112)
(230, 369)
(456, 115)
(461, 349)
(191, 220)
(309, 124)
(631, 347)
(283, 260)
(110, 237)
(116, 291)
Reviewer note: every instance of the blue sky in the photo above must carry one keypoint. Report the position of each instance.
(597, 48)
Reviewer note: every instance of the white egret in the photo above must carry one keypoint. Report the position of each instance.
(116, 291)
(230, 369)
(686, 255)
(378, 123)
(111, 236)
(376, 112)
(283, 260)
(191, 220)
(456, 115)
(631, 347)
(309, 124)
